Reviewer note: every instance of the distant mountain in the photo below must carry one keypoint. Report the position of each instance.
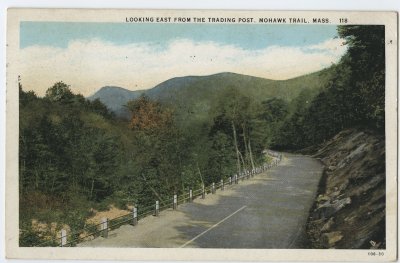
(115, 97)
(195, 88)
(195, 94)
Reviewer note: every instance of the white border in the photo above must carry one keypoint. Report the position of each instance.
(171, 4)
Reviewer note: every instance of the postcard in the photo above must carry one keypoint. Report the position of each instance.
(201, 135)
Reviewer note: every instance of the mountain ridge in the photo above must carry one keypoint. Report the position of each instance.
(196, 93)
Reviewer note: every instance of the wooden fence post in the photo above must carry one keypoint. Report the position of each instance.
(190, 195)
(157, 210)
(203, 192)
(104, 227)
(175, 204)
(213, 188)
(222, 184)
(134, 216)
(63, 237)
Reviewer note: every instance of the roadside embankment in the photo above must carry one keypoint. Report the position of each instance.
(349, 210)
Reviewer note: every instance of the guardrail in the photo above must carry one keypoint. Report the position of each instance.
(137, 213)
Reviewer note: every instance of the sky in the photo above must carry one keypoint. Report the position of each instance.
(88, 56)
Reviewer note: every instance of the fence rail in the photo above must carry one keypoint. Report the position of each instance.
(102, 229)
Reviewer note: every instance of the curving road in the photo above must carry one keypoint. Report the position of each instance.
(268, 211)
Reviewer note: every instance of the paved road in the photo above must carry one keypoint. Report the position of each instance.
(268, 211)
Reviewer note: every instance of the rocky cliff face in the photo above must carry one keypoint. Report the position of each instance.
(349, 211)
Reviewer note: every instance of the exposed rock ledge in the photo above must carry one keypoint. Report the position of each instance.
(349, 210)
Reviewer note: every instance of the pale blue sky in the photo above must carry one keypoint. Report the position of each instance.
(88, 56)
(250, 37)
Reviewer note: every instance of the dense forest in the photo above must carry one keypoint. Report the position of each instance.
(75, 155)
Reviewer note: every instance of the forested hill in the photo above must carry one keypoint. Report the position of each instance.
(196, 93)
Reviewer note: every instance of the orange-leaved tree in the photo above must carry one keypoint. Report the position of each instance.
(149, 116)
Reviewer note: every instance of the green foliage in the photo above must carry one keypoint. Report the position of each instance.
(59, 92)
(353, 96)
(99, 108)
(29, 238)
(236, 134)
(66, 162)
(221, 162)
(274, 110)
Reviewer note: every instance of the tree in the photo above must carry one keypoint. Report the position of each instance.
(221, 160)
(274, 110)
(271, 115)
(234, 115)
(59, 92)
(148, 116)
(366, 58)
(100, 108)
(25, 97)
(157, 150)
